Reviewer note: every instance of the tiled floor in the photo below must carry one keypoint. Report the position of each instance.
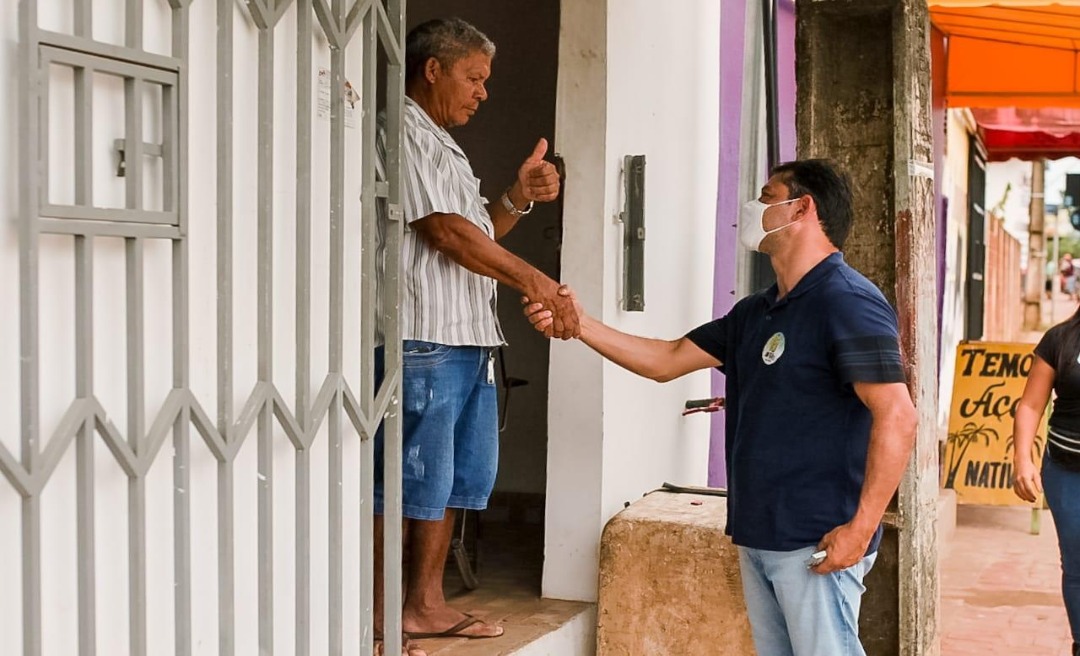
(510, 563)
(1001, 586)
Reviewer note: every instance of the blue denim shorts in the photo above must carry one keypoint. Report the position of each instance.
(450, 436)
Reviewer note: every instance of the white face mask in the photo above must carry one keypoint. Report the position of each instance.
(751, 223)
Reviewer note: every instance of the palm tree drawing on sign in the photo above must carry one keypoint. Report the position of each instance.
(959, 442)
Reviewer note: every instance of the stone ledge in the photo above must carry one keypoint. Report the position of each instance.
(669, 580)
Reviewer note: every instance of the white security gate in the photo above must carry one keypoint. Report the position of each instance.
(195, 219)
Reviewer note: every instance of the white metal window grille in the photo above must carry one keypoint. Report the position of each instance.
(153, 164)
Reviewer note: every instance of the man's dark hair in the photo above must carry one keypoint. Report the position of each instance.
(830, 189)
(445, 39)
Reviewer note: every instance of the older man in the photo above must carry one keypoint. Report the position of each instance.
(451, 262)
(819, 422)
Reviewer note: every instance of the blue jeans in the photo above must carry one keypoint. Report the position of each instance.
(449, 426)
(1062, 489)
(795, 612)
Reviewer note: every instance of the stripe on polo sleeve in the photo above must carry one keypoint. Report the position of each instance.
(869, 359)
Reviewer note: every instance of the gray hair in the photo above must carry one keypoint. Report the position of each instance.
(445, 39)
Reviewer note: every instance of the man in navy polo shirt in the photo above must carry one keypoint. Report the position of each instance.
(819, 421)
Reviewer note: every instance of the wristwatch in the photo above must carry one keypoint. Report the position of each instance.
(509, 205)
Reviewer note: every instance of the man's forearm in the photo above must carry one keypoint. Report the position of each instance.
(641, 355)
(466, 244)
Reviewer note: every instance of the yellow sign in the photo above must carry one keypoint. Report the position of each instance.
(978, 459)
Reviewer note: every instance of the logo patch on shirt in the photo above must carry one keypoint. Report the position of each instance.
(774, 348)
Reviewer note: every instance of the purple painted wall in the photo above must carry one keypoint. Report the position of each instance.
(785, 78)
(732, 20)
(732, 53)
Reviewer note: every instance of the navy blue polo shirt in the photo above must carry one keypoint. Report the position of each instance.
(797, 434)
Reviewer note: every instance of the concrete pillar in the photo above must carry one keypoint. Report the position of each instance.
(863, 75)
(574, 515)
(1036, 272)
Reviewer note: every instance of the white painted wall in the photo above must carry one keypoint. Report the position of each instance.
(57, 352)
(633, 80)
(954, 187)
(663, 93)
(1008, 193)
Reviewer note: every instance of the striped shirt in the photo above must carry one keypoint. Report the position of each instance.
(1070, 443)
(441, 301)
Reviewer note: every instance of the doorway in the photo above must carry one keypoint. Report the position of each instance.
(520, 109)
(976, 283)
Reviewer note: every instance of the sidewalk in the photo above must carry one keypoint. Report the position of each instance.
(1059, 310)
(1001, 585)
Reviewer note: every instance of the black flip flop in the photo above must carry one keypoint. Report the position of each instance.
(454, 631)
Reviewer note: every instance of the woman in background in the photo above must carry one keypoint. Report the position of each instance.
(1056, 367)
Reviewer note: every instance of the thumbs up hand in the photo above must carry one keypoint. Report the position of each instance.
(538, 180)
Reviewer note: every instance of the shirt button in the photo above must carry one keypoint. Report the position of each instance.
(768, 317)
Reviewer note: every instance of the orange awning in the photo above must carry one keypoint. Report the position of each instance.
(1016, 53)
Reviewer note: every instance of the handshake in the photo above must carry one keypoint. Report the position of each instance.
(554, 311)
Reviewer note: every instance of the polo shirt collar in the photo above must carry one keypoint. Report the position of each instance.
(429, 124)
(808, 281)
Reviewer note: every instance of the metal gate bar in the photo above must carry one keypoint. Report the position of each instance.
(391, 30)
(176, 133)
(84, 365)
(369, 43)
(226, 586)
(84, 388)
(264, 313)
(337, 297)
(303, 327)
(29, 83)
